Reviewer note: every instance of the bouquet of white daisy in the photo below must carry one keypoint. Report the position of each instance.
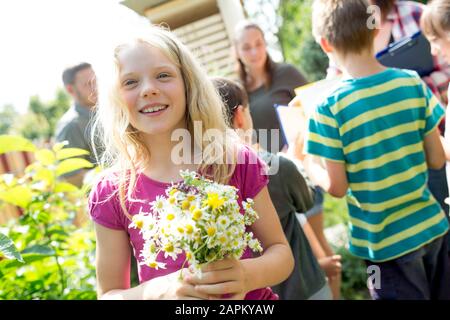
(200, 218)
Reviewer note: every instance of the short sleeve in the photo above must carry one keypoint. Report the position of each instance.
(323, 137)
(434, 111)
(297, 186)
(294, 78)
(104, 207)
(72, 133)
(252, 172)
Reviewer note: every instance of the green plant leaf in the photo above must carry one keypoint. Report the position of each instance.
(70, 153)
(73, 164)
(9, 143)
(8, 249)
(65, 187)
(45, 156)
(58, 146)
(19, 196)
(27, 257)
(44, 174)
(39, 249)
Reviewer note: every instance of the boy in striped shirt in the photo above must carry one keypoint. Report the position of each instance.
(377, 133)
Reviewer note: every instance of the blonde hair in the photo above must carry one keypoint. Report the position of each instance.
(435, 19)
(124, 150)
(343, 23)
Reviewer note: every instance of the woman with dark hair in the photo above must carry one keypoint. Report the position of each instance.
(266, 82)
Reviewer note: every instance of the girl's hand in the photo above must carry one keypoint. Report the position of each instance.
(226, 276)
(173, 288)
(331, 265)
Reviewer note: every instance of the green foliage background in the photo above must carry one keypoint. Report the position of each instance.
(45, 254)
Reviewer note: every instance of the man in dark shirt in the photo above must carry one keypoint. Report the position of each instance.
(79, 81)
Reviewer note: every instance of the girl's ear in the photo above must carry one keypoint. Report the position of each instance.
(325, 45)
(239, 118)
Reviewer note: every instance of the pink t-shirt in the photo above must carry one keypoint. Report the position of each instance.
(249, 177)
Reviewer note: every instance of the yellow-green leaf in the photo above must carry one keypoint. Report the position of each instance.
(9, 143)
(45, 175)
(58, 146)
(45, 156)
(70, 153)
(19, 196)
(65, 187)
(73, 164)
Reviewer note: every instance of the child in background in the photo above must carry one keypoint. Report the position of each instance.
(158, 87)
(435, 23)
(377, 133)
(290, 194)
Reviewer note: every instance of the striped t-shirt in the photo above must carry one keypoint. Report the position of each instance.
(376, 125)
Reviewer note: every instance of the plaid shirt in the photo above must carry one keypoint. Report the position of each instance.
(405, 18)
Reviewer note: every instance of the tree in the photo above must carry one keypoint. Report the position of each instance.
(39, 123)
(7, 116)
(296, 40)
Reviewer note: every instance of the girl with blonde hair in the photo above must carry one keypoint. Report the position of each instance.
(158, 91)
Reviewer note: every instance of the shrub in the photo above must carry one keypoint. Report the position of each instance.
(56, 258)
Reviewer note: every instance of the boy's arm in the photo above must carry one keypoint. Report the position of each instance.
(332, 178)
(434, 151)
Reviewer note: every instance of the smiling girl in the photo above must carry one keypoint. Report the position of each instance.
(157, 88)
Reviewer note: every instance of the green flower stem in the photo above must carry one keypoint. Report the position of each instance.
(60, 270)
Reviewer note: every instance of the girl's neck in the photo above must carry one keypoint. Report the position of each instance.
(164, 165)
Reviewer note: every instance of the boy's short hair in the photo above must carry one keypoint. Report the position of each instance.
(435, 19)
(344, 24)
(232, 93)
(69, 73)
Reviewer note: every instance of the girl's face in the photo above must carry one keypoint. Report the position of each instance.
(153, 90)
(441, 46)
(251, 48)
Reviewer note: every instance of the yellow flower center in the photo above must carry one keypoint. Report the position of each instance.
(139, 223)
(168, 247)
(173, 191)
(153, 264)
(211, 231)
(185, 205)
(190, 197)
(197, 214)
(170, 216)
(189, 229)
(214, 201)
(180, 229)
(172, 200)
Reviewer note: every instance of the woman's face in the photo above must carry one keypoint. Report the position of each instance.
(251, 48)
(153, 90)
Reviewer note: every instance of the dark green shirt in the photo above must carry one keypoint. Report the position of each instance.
(74, 127)
(285, 79)
(290, 194)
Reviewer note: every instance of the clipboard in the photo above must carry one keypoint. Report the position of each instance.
(310, 95)
(413, 53)
(292, 122)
